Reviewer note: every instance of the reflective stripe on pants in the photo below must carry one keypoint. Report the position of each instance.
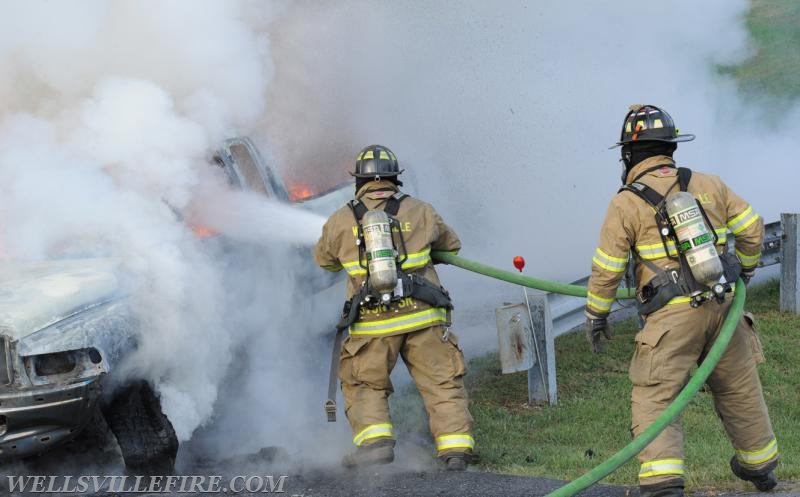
(454, 441)
(661, 467)
(383, 430)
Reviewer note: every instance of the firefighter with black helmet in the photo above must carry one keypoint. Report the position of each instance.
(673, 223)
(396, 307)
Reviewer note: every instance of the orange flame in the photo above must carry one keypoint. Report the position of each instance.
(300, 191)
(202, 231)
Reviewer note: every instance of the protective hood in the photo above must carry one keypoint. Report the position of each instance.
(377, 189)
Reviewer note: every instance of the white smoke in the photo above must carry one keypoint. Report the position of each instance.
(501, 114)
(110, 111)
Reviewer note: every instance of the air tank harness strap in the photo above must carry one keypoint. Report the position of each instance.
(656, 200)
(668, 283)
(391, 208)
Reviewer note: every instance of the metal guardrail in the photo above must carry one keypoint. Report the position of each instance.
(555, 314)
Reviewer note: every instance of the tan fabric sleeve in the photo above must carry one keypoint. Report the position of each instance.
(746, 226)
(609, 261)
(445, 238)
(324, 252)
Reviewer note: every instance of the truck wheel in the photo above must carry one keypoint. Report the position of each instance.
(145, 436)
(96, 439)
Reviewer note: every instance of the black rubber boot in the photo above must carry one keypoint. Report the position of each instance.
(456, 462)
(380, 452)
(669, 489)
(763, 481)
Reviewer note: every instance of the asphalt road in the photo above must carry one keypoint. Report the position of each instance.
(386, 482)
(412, 476)
(408, 476)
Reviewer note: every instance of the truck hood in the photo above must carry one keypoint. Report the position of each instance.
(35, 295)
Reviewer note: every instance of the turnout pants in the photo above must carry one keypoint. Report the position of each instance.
(437, 367)
(674, 339)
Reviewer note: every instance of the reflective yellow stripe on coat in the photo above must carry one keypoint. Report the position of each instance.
(742, 221)
(748, 261)
(609, 262)
(722, 235)
(353, 268)
(656, 250)
(599, 303)
(413, 261)
(417, 260)
(406, 322)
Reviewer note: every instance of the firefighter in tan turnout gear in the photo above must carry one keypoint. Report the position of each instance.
(683, 295)
(396, 307)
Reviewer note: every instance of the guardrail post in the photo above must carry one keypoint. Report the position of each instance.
(790, 266)
(545, 339)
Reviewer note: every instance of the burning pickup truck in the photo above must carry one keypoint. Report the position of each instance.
(66, 325)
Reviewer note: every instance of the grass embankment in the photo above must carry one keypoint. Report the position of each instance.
(592, 418)
(774, 68)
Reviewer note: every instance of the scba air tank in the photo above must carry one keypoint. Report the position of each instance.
(381, 255)
(695, 238)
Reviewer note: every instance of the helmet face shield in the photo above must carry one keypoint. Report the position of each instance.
(649, 123)
(376, 161)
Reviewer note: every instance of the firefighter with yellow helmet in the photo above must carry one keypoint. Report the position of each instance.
(673, 223)
(396, 307)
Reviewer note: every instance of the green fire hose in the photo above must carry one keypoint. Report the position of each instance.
(548, 286)
(678, 405)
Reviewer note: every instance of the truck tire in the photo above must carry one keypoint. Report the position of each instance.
(96, 439)
(145, 436)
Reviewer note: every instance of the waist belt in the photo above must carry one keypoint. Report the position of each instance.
(666, 289)
(674, 286)
(659, 291)
(415, 286)
(430, 293)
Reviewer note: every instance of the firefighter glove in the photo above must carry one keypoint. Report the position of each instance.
(595, 326)
(747, 273)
